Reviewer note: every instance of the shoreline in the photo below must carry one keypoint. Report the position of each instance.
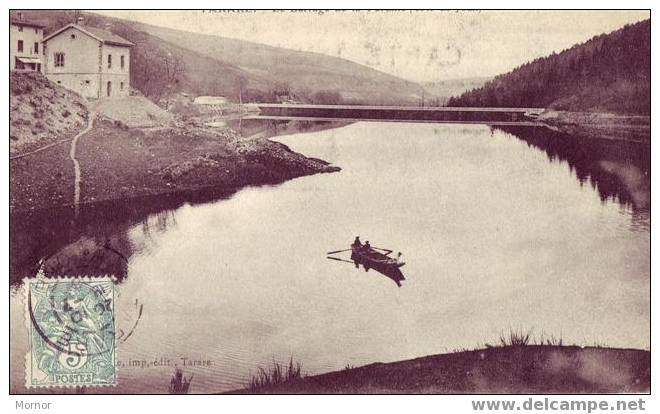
(222, 159)
(510, 369)
(599, 125)
(126, 163)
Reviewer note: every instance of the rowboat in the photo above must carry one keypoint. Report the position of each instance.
(368, 256)
(373, 258)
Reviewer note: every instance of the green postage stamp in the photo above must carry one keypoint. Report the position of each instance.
(71, 332)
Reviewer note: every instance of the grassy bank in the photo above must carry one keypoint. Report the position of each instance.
(41, 112)
(518, 369)
(120, 162)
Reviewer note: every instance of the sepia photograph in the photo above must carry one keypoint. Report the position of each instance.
(330, 202)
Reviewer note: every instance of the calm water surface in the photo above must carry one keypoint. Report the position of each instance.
(499, 231)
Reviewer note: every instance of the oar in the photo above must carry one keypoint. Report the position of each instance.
(385, 250)
(339, 260)
(338, 251)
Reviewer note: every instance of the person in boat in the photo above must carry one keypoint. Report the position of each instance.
(366, 247)
(399, 258)
(356, 246)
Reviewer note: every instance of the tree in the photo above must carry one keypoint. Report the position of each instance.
(146, 72)
(588, 76)
(326, 97)
(70, 16)
(241, 84)
(173, 66)
(155, 72)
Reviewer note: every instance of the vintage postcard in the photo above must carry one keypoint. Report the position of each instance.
(330, 202)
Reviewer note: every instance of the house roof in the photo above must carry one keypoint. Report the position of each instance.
(108, 37)
(101, 35)
(20, 22)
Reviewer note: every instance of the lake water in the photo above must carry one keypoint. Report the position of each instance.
(523, 229)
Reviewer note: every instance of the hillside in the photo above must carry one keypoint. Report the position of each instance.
(445, 89)
(41, 112)
(240, 69)
(304, 72)
(609, 73)
(150, 55)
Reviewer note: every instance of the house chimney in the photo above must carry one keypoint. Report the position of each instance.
(20, 15)
(80, 20)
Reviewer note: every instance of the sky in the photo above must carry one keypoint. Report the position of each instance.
(420, 46)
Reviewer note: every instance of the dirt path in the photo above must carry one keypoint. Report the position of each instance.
(90, 123)
(40, 149)
(76, 164)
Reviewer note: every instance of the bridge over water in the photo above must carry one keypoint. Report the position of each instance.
(490, 116)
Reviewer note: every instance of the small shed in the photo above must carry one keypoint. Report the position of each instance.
(210, 100)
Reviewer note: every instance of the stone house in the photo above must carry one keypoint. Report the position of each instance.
(25, 39)
(90, 61)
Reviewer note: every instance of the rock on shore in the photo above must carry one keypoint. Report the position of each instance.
(119, 162)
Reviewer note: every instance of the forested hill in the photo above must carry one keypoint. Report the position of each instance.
(609, 73)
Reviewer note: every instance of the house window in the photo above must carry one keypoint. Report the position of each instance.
(20, 28)
(87, 82)
(109, 61)
(121, 86)
(20, 45)
(59, 59)
(73, 36)
(121, 62)
(18, 64)
(36, 48)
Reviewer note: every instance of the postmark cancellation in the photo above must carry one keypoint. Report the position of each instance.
(71, 332)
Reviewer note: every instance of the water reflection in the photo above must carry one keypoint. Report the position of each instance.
(617, 170)
(268, 128)
(56, 242)
(392, 271)
(96, 243)
(491, 229)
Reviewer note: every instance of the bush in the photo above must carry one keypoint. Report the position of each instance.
(275, 375)
(515, 338)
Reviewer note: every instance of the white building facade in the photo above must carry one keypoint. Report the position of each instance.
(25, 47)
(90, 61)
